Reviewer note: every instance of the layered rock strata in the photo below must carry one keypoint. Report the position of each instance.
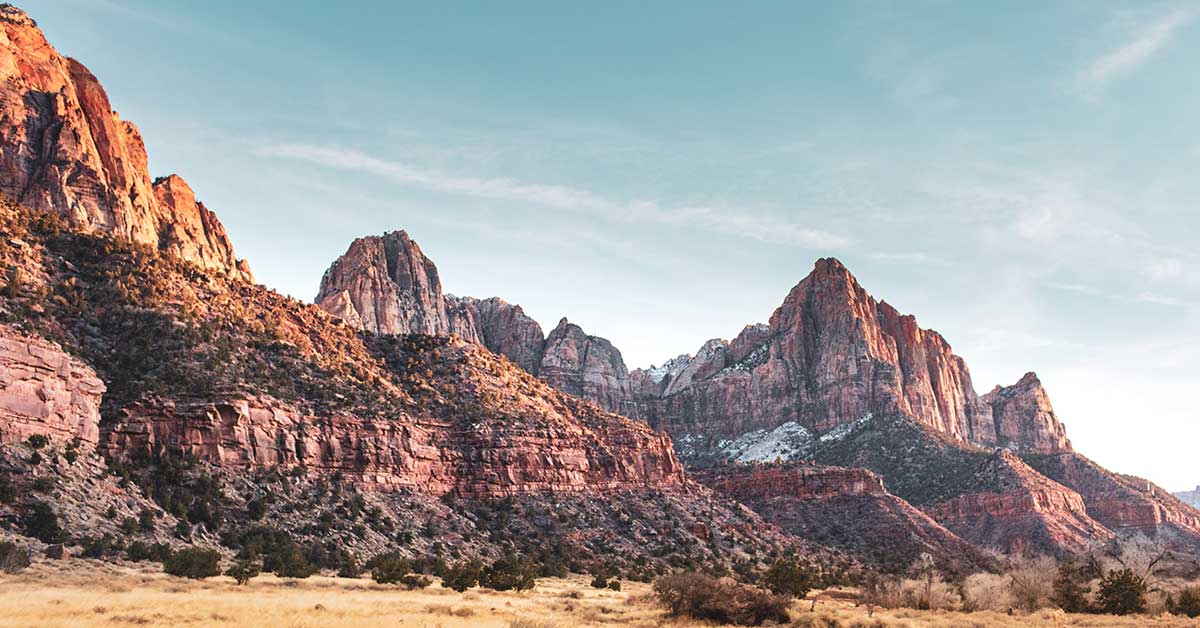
(45, 392)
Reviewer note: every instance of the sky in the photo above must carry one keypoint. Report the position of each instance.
(1021, 176)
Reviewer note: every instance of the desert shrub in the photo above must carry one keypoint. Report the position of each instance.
(129, 525)
(293, 564)
(430, 565)
(1121, 592)
(37, 441)
(13, 558)
(389, 568)
(243, 571)
(42, 524)
(525, 622)
(987, 592)
(723, 600)
(614, 584)
(349, 567)
(599, 581)
(413, 581)
(140, 550)
(43, 485)
(462, 576)
(1032, 582)
(7, 492)
(146, 519)
(790, 577)
(926, 594)
(510, 573)
(99, 547)
(1185, 602)
(193, 562)
(1070, 594)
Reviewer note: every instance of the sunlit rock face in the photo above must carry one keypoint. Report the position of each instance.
(64, 149)
(45, 392)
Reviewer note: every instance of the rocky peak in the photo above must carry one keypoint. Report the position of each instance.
(1024, 419)
(586, 366)
(64, 149)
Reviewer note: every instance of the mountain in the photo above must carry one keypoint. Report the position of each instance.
(386, 285)
(1191, 498)
(131, 340)
(63, 149)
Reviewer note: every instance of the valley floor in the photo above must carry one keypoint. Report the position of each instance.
(82, 593)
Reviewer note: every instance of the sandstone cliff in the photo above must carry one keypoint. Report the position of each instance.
(64, 149)
(45, 392)
(845, 508)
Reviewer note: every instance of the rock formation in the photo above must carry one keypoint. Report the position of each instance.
(45, 392)
(830, 355)
(386, 285)
(1191, 498)
(64, 149)
(845, 508)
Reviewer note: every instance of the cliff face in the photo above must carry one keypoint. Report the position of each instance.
(64, 149)
(846, 508)
(830, 355)
(45, 392)
(386, 285)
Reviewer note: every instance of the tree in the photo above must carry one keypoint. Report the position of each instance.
(1187, 602)
(789, 577)
(1122, 592)
(243, 571)
(462, 576)
(193, 562)
(510, 573)
(42, 524)
(1069, 593)
(389, 568)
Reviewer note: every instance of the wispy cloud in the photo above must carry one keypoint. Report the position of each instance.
(1159, 299)
(712, 219)
(915, 257)
(1148, 37)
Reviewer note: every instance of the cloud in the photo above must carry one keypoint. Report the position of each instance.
(916, 257)
(716, 220)
(1158, 299)
(1148, 38)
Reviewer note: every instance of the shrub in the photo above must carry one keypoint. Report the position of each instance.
(348, 567)
(462, 576)
(1032, 582)
(37, 441)
(12, 558)
(511, 573)
(140, 550)
(414, 581)
(42, 524)
(193, 562)
(146, 520)
(987, 592)
(1122, 592)
(599, 581)
(243, 571)
(1070, 594)
(293, 564)
(389, 568)
(100, 547)
(722, 600)
(614, 584)
(43, 485)
(1185, 602)
(789, 577)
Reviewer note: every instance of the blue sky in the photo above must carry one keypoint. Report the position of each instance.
(1021, 176)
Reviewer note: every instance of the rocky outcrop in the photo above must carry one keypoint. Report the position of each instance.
(1025, 420)
(830, 355)
(1011, 507)
(386, 285)
(845, 508)
(1191, 498)
(1122, 502)
(45, 392)
(63, 149)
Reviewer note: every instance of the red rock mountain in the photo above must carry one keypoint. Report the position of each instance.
(64, 149)
(386, 285)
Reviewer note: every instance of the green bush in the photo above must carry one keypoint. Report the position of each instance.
(193, 562)
(1185, 602)
(140, 550)
(243, 571)
(511, 573)
(389, 568)
(789, 577)
(1122, 592)
(415, 581)
(721, 600)
(42, 524)
(599, 581)
(1070, 594)
(293, 564)
(12, 558)
(37, 441)
(462, 576)
(614, 584)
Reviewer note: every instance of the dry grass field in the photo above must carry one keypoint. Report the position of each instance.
(83, 594)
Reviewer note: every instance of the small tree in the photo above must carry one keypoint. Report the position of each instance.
(1069, 593)
(1122, 592)
(599, 581)
(292, 564)
(1185, 602)
(42, 524)
(511, 573)
(193, 562)
(789, 577)
(243, 571)
(462, 576)
(389, 568)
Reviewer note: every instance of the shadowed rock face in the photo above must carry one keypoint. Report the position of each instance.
(846, 508)
(63, 149)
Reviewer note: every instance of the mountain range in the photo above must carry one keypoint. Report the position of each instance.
(390, 415)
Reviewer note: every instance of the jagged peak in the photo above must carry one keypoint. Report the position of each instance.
(14, 15)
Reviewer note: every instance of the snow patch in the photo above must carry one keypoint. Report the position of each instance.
(786, 442)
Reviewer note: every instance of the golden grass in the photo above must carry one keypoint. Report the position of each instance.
(83, 594)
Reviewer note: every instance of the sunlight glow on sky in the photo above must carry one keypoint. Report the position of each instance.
(1021, 176)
